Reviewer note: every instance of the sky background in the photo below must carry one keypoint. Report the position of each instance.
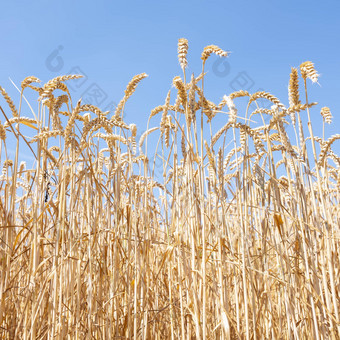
(110, 42)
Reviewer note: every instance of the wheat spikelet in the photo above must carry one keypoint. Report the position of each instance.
(266, 95)
(165, 113)
(9, 102)
(56, 122)
(60, 100)
(170, 175)
(229, 177)
(168, 126)
(45, 134)
(183, 145)
(334, 157)
(49, 154)
(47, 90)
(133, 144)
(240, 93)
(243, 137)
(308, 71)
(275, 137)
(284, 139)
(112, 137)
(177, 102)
(133, 129)
(97, 123)
(54, 148)
(209, 154)
(18, 120)
(8, 163)
(220, 164)
(326, 114)
(228, 158)
(200, 77)
(219, 133)
(156, 110)
(160, 108)
(70, 123)
(100, 161)
(2, 132)
(28, 80)
(54, 84)
(208, 107)
(208, 50)
(301, 137)
(113, 122)
(276, 116)
(211, 166)
(85, 118)
(297, 108)
(22, 167)
(177, 81)
(130, 89)
(280, 162)
(94, 109)
(40, 90)
(247, 130)
(61, 79)
(192, 102)
(167, 136)
(143, 136)
(232, 109)
(235, 163)
(293, 88)
(261, 110)
(293, 92)
(236, 94)
(325, 147)
(182, 52)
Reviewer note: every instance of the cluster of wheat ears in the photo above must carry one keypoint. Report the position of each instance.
(237, 239)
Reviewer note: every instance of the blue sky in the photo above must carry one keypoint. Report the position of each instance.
(111, 41)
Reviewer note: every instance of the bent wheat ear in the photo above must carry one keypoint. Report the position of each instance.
(266, 95)
(208, 50)
(325, 147)
(28, 80)
(308, 71)
(143, 136)
(61, 79)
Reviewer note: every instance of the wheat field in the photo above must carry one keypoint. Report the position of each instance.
(237, 239)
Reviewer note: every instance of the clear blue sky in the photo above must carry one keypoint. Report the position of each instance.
(111, 41)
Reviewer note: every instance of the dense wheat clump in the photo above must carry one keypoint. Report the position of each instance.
(205, 231)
